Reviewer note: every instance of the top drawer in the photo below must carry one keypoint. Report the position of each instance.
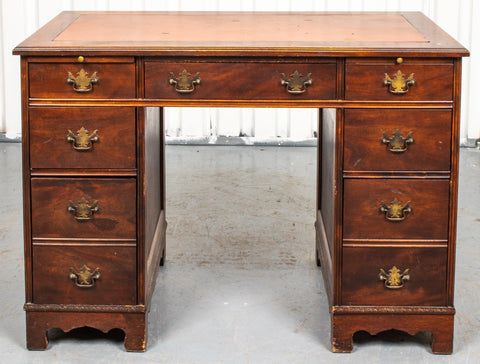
(410, 80)
(240, 81)
(96, 78)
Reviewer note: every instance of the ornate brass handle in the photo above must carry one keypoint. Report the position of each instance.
(397, 143)
(82, 83)
(296, 85)
(84, 278)
(82, 211)
(398, 85)
(394, 279)
(82, 141)
(395, 212)
(184, 84)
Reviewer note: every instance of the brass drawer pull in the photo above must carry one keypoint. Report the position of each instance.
(395, 212)
(296, 85)
(184, 84)
(397, 143)
(394, 279)
(82, 211)
(84, 278)
(399, 85)
(82, 83)
(82, 141)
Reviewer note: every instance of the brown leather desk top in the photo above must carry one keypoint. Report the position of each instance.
(242, 33)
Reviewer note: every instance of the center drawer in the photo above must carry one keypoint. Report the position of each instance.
(83, 208)
(239, 81)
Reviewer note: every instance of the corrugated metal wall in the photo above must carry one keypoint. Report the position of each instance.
(20, 18)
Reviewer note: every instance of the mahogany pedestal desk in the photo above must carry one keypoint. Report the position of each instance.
(93, 88)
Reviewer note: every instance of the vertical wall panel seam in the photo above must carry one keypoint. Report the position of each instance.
(464, 116)
(36, 6)
(3, 100)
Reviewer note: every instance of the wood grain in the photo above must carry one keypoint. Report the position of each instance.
(364, 80)
(115, 219)
(362, 218)
(429, 151)
(115, 127)
(427, 269)
(116, 285)
(240, 81)
(48, 80)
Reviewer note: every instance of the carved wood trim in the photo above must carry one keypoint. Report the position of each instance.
(411, 310)
(32, 307)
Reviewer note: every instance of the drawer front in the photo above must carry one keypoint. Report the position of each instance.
(83, 208)
(82, 137)
(394, 276)
(245, 81)
(397, 140)
(74, 80)
(366, 80)
(84, 274)
(378, 209)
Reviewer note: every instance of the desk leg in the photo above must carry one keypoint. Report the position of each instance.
(344, 326)
(132, 324)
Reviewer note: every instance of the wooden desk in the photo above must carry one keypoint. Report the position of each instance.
(93, 89)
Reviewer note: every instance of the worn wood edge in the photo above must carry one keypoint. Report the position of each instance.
(50, 307)
(429, 28)
(326, 50)
(400, 310)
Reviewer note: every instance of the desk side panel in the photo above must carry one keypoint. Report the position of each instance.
(27, 232)
(326, 215)
(154, 196)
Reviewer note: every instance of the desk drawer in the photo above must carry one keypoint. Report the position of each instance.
(93, 80)
(378, 209)
(82, 137)
(397, 140)
(102, 275)
(238, 81)
(366, 80)
(84, 208)
(378, 276)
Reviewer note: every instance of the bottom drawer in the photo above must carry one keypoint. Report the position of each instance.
(377, 276)
(101, 275)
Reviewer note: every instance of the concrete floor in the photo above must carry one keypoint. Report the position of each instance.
(240, 284)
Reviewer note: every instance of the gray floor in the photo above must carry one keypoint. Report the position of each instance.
(240, 284)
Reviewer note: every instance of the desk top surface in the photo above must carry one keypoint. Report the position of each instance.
(242, 33)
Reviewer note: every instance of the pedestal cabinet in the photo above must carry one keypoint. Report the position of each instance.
(94, 85)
